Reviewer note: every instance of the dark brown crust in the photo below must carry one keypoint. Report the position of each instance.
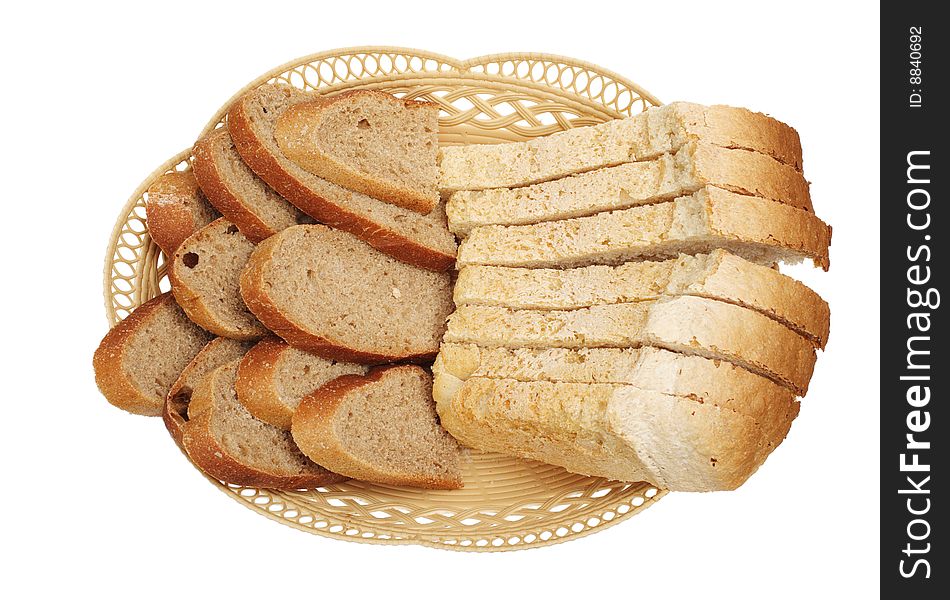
(216, 189)
(313, 421)
(255, 383)
(107, 361)
(328, 168)
(253, 289)
(214, 460)
(268, 168)
(170, 222)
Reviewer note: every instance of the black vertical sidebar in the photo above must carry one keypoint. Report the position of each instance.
(915, 370)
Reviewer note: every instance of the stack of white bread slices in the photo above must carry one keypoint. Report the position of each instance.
(619, 311)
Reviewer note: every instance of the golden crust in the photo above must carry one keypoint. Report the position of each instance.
(168, 214)
(255, 383)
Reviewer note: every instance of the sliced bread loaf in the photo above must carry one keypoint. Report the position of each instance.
(686, 324)
(241, 196)
(381, 427)
(216, 353)
(718, 275)
(140, 358)
(368, 141)
(420, 240)
(205, 273)
(758, 230)
(640, 137)
(273, 377)
(229, 444)
(329, 293)
(176, 208)
(632, 184)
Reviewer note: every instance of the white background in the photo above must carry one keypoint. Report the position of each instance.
(95, 97)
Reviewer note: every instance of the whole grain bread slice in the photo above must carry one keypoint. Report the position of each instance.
(758, 230)
(641, 137)
(368, 141)
(274, 376)
(717, 275)
(141, 357)
(689, 169)
(205, 273)
(420, 240)
(685, 324)
(241, 196)
(327, 292)
(175, 208)
(216, 353)
(229, 444)
(381, 427)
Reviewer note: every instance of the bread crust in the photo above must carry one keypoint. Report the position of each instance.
(319, 163)
(219, 193)
(314, 433)
(270, 168)
(255, 383)
(169, 218)
(254, 291)
(209, 456)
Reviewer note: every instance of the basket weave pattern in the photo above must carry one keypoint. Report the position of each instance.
(507, 503)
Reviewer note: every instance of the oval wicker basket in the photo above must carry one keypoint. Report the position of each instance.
(506, 503)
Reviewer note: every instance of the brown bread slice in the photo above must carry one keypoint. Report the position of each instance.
(141, 357)
(421, 240)
(218, 352)
(205, 273)
(381, 427)
(176, 208)
(274, 376)
(368, 141)
(241, 196)
(226, 442)
(329, 293)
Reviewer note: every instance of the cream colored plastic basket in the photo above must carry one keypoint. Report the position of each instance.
(507, 503)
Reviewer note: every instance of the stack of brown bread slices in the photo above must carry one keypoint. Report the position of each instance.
(619, 310)
(319, 284)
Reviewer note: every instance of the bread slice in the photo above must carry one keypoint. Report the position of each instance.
(619, 432)
(420, 240)
(176, 208)
(369, 141)
(758, 230)
(692, 167)
(329, 293)
(640, 137)
(273, 377)
(141, 357)
(686, 324)
(381, 427)
(216, 353)
(227, 443)
(717, 275)
(241, 196)
(205, 273)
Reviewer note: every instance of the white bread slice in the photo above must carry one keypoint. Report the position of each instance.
(619, 432)
(205, 273)
(139, 359)
(176, 208)
(327, 292)
(229, 444)
(692, 167)
(758, 230)
(420, 240)
(216, 353)
(368, 141)
(640, 137)
(718, 275)
(381, 427)
(274, 376)
(686, 324)
(241, 196)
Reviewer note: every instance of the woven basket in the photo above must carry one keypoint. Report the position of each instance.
(507, 503)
